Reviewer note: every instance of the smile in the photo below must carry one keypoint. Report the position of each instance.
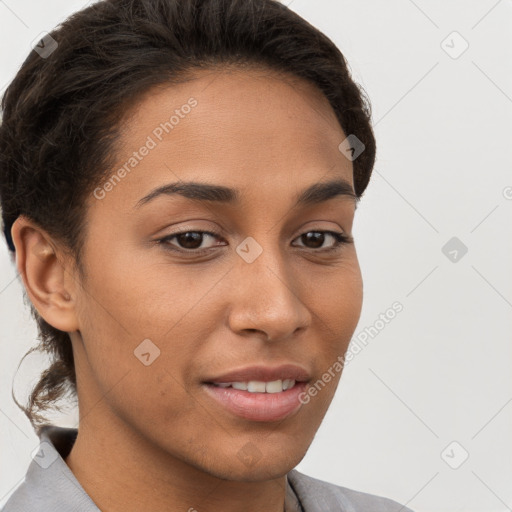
(259, 404)
(258, 386)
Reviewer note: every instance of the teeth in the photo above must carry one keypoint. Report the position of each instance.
(274, 387)
(288, 383)
(258, 386)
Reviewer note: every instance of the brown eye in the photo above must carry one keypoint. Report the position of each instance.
(316, 239)
(313, 239)
(189, 241)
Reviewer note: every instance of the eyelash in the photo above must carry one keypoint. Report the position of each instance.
(340, 238)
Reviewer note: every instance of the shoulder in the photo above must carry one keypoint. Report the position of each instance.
(319, 496)
(21, 500)
(49, 484)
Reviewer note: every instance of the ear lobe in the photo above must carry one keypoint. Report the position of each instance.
(45, 275)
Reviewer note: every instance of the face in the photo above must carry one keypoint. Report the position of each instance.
(183, 288)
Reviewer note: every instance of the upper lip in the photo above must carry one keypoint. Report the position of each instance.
(263, 373)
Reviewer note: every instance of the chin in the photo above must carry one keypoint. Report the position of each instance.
(244, 469)
(258, 473)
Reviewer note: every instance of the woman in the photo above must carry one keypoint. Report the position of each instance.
(178, 182)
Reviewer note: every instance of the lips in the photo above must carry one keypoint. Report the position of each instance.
(262, 373)
(259, 407)
(246, 398)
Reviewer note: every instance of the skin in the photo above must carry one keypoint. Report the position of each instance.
(150, 438)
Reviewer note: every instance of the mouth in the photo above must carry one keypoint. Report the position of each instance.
(257, 405)
(258, 374)
(258, 386)
(259, 393)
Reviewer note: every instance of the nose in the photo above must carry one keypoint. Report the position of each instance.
(266, 297)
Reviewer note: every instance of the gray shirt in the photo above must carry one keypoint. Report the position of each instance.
(50, 486)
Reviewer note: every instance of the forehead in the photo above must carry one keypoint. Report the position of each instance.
(250, 129)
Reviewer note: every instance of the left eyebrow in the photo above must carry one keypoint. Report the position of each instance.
(314, 194)
(323, 191)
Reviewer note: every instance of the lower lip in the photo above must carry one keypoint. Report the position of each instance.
(258, 406)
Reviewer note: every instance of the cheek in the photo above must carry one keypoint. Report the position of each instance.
(336, 296)
(337, 308)
(124, 305)
(336, 301)
(350, 297)
(138, 372)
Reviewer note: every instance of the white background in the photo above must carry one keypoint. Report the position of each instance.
(440, 371)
